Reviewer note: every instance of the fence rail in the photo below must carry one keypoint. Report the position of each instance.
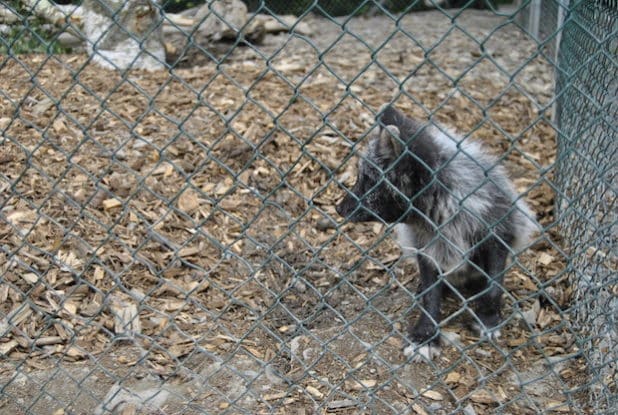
(169, 241)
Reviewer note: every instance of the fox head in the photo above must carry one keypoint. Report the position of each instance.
(375, 196)
(396, 166)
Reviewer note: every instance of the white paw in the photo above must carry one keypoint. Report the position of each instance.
(486, 332)
(422, 353)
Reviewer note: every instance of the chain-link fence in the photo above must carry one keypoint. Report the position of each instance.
(168, 189)
(588, 146)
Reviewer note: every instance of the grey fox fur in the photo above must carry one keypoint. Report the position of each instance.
(455, 209)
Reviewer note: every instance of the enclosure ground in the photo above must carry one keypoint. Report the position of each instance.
(174, 232)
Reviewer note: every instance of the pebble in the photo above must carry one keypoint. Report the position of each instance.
(469, 410)
(325, 224)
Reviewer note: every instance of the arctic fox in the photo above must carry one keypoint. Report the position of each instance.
(455, 209)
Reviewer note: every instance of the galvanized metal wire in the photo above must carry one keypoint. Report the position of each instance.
(588, 146)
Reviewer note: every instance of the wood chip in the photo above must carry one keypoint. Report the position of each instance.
(43, 105)
(557, 406)
(453, 377)
(75, 352)
(314, 392)
(129, 409)
(274, 396)
(188, 201)
(4, 292)
(99, 273)
(181, 349)
(285, 329)
(419, 409)
(48, 341)
(4, 122)
(189, 251)
(396, 342)
(334, 406)
(126, 317)
(15, 317)
(70, 307)
(356, 385)
(434, 395)
(545, 259)
(7, 347)
(255, 352)
(482, 396)
(109, 204)
(59, 126)
(30, 277)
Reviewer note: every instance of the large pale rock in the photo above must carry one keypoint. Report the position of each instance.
(212, 27)
(123, 33)
(221, 18)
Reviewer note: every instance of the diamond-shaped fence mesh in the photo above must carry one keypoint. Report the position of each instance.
(587, 178)
(169, 177)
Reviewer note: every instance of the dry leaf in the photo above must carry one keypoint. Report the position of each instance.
(189, 251)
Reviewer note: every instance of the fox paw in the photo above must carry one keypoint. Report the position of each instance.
(484, 332)
(421, 353)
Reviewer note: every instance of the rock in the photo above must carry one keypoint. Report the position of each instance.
(450, 338)
(209, 26)
(284, 24)
(530, 316)
(148, 395)
(123, 34)
(340, 405)
(238, 379)
(469, 410)
(325, 224)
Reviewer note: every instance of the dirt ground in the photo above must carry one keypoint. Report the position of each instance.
(169, 242)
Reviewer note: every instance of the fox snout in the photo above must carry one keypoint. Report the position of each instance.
(352, 210)
(345, 207)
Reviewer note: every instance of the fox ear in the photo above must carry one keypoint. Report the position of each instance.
(390, 143)
(389, 115)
